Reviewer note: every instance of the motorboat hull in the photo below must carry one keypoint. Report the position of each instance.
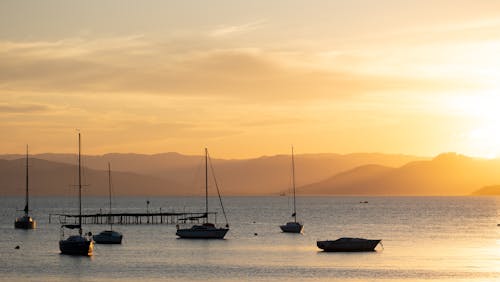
(25, 223)
(292, 227)
(79, 248)
(195, 233)
(106, 237)
(348, 245)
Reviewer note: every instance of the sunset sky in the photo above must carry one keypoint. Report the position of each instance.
(250, 78)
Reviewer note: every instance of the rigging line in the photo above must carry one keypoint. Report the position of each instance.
(290, 186)
(218, 192)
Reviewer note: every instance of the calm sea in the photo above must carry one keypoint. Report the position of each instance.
(424, 239)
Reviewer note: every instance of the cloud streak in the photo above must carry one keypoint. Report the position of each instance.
(134, 65)
(23, 108)
(228, 30)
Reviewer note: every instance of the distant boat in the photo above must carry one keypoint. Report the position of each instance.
(347, 244)
(206, 230)
(293, 226)
(109, 236)
(77, 244)
(26, 221)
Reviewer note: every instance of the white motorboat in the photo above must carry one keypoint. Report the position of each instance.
(347, 244)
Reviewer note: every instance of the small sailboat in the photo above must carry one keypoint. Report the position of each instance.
(26, 221)
(109, 236)
(206, 230)
(77, 244)
(293, 226)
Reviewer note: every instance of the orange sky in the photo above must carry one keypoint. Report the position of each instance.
(250, 78)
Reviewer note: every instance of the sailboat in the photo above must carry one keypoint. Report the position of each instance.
(293, 226)
(77, 244)
(26, 221)
(109, 236)
(207, 230)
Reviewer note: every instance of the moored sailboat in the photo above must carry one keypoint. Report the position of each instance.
(207, 230)
(109, 236)
(77, 244)
(26, 221)
(293, 226)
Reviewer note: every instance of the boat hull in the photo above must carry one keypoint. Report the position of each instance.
(190, 233)
(348, 245)
(25, 223)
(292, 227)
(77, 248)
(107, 238)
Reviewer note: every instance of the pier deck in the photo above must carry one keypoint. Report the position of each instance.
(134, 218)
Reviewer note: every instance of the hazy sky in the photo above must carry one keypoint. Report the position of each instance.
(250, 78)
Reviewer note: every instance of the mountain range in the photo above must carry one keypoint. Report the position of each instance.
(325, 174)
(447, 174)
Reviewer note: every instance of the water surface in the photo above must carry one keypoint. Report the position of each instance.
(424, 239)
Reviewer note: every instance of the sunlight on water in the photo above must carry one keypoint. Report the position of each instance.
(424, 238)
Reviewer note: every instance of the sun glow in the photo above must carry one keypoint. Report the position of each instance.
(482, 139)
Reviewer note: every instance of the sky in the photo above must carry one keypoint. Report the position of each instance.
(250, 78)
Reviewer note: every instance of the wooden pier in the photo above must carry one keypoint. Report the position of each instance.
(134, 218)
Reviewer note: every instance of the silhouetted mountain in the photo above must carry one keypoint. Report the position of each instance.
(354, 181)
(264, 175)
(53, 178)
(487, 191)
(447, 174)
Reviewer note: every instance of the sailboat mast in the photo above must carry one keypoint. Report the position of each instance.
(206, 184)
(109, 186)
(79, 186)
(26, 207)
(293, 185)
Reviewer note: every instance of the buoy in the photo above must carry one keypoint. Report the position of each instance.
(17, 247)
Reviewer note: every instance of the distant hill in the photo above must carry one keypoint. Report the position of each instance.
(258, 176)
(487, 191)
(351, 182)
(447, 174)
(176, 174)
(52, 178)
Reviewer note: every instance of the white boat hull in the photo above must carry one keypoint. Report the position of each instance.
(108, 237)
(202, 232)
(25, 222)
(79, 246)
(292, 227)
